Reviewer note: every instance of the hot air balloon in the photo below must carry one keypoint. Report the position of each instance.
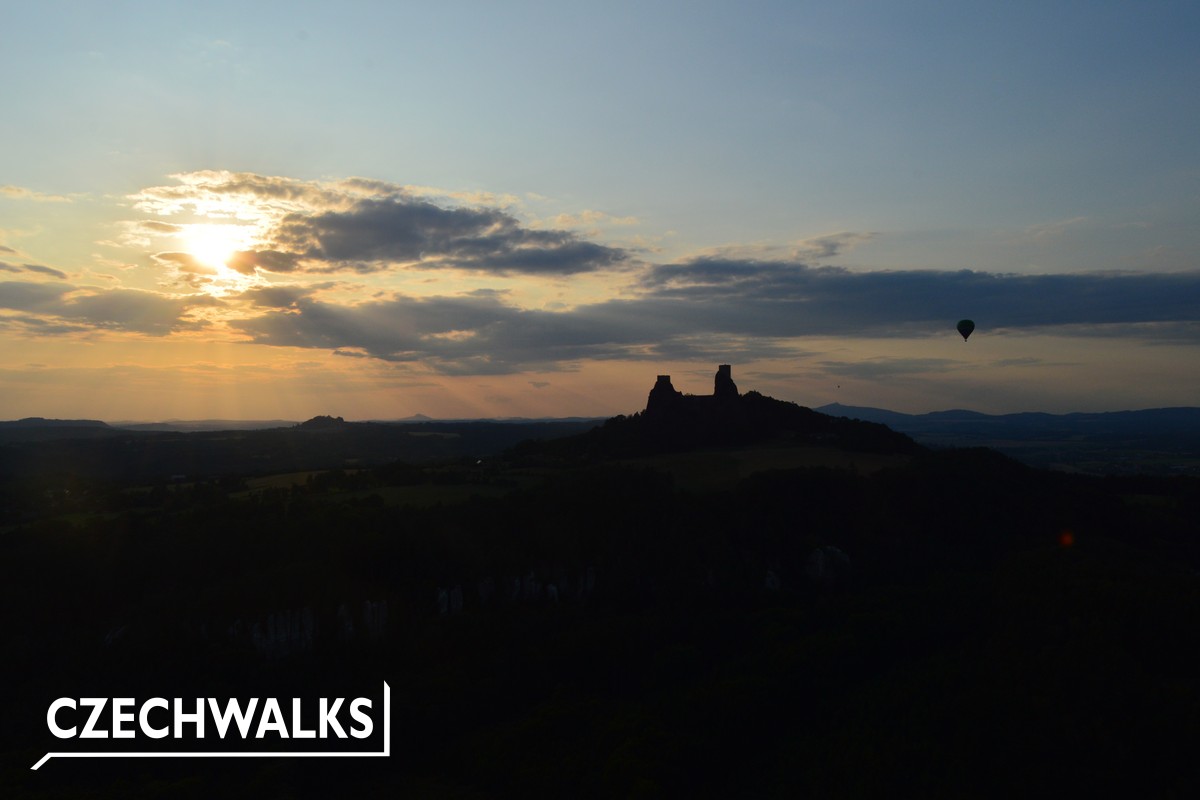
(965, 326)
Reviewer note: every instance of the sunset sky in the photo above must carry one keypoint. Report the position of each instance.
(262, 210)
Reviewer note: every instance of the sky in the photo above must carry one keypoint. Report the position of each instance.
(523, 209)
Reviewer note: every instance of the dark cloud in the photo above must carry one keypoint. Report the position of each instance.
(132, 310)
(376, 233)
(37, 326)
(64, 309)
(54, 273)
(26, 296)
(791, 299)
(7, 249)
(405, 329)
(276, 296)
(248, 261)
(481, 334)
(364, 225)
(724, 310)
(36, 268)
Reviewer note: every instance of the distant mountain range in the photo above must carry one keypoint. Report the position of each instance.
(1160, 440)
(37, 429)
(42, 428)
(1028, 425)
(41, 422)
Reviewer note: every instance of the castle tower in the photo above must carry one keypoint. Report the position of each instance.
(724, 385)
(662, 396)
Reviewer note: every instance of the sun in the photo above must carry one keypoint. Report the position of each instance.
(212, 245)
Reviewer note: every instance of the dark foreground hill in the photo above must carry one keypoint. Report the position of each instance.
(962, 625)
(956, 624)
(685, 423)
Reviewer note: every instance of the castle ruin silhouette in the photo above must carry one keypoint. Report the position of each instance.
(666, 400)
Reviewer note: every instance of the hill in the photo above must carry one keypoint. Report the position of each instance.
(1157, 441)
(955, 624)
(38, 429)
(196, 425)
(674, 423)
(56, 454)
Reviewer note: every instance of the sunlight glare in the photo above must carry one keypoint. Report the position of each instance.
(213, 245)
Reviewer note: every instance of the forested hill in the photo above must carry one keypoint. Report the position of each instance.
(701, 422)
(102, 452)
(37, 429)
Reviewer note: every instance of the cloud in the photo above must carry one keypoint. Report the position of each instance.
(276, 296)
(877, 368)
(25, 296)
(184, 262)
(35, 268)
(482, 334)
(154, 226)
(1023, 362)
(37, 326)
(724, 310)
(378, 233)
(1049, 231)
(589, 218)
(237, 195)
(734, 303)
(54, 273)
(21, 193)
(133, 310)
(793, 299)
(829, 245)
(816, 248)
(248, 261)
(63, 309)
(363, 225)
(455, 335)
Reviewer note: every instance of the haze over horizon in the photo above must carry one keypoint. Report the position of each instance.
(278, 211)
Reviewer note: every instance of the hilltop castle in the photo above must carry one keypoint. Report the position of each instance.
(666, 399)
